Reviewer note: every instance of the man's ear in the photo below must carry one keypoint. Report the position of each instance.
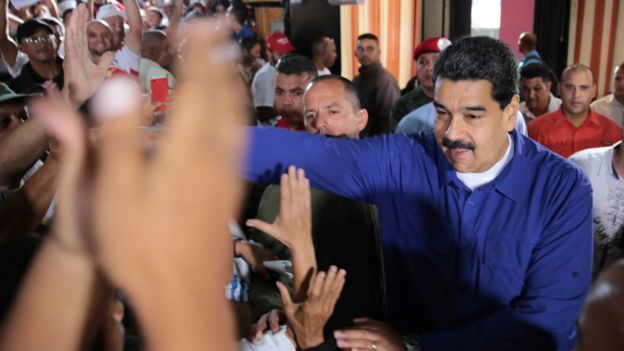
(548, 85)
(362, 118)
(510, 113)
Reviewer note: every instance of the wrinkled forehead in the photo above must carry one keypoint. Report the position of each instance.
(326, 92)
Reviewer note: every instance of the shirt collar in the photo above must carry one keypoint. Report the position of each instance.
(511, 182)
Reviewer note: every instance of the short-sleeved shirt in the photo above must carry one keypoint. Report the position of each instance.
(125, 62)
(29, 81)
(263, 86)
(554, 131)
(609, 107)
(608, 204)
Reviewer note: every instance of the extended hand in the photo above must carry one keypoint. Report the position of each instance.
(368, 334)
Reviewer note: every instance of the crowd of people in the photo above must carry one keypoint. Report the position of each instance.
(171, 180)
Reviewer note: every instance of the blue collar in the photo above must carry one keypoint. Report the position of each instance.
(511, 182)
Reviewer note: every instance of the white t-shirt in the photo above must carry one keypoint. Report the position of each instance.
(270, 342)
(20, 61)
(125, 61)
(263, 86)
(475, 180)
(608, 204)
(553, 105)
(323, 72)
(609, 107)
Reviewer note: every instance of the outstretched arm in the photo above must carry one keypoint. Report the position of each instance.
(8, 48)
(133, 36)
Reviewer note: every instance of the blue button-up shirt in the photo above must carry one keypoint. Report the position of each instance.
(506, 266)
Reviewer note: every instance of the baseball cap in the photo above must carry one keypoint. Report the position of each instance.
(110, 10)
(67, 5)
(436, 44)
(27, 28)
(279, 43)
(6, 94)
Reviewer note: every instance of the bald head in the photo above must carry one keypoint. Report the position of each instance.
(527, 42)
(155, 46)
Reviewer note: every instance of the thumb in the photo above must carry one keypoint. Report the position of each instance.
(286, 300)
(263, 226)
(105, 61)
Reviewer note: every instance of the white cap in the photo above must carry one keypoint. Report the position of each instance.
(109, 10)
(66, 5)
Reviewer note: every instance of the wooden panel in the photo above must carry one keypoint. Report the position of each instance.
(264, 17)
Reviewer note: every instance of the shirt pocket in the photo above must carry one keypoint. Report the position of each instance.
(505, 253)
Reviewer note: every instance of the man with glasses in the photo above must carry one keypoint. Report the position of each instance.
(36, 39)
(424, 55)
(376, 87)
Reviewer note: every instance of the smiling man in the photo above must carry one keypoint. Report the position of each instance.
(487, 236)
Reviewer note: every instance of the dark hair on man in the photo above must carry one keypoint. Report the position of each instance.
(239, 12)
(620, 66)
(348, 86)
(536, 70)
(480, 58)
(248, 43)
(369, 36)
(296, 64)
(528, 40)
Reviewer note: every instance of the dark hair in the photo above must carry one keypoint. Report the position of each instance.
(348, 86)
(620, 66)
(480, 58)
(369, 36)
(239, 12)
(319, 45)
(248, 43)
(296, 64)
(536, 70)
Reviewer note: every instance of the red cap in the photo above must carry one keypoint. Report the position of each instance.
(279, 43)
(436, 44)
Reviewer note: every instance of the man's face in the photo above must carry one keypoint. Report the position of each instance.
(536, 93)
(328, 111)
(289, 91)
(39, 46)
(618, 82)
(116, 25)
(367, 52)
(577, 91)
(99, 38)
(329, 58)
(153, 19)
(424, 66)
(12, 114)
(470, 127)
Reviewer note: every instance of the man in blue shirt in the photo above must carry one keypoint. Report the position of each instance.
(527, 45)
(487, 236)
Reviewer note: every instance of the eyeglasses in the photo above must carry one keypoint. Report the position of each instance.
(37, 40)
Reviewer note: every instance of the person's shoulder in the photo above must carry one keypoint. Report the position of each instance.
(557, 171)
(590, 158)
(543, 121)
(602, 101)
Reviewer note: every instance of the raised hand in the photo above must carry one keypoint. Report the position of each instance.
(82, 76)
(308, 319)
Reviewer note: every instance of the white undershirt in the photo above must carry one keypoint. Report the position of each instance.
(475, 180)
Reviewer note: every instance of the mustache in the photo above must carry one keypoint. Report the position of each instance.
(457, 144)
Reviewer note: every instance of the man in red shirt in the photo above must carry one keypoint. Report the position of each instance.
(574, 126)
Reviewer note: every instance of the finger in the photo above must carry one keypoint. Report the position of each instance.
(117, 106)
(317, 285)
(286, 300)
(207, 63)
(356, 334)
(265, 227)
(358, 344)
(285, 203)
(334, 289)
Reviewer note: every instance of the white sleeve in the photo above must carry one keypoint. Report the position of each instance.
(263, 89)
(269, 342)
(20, 61)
